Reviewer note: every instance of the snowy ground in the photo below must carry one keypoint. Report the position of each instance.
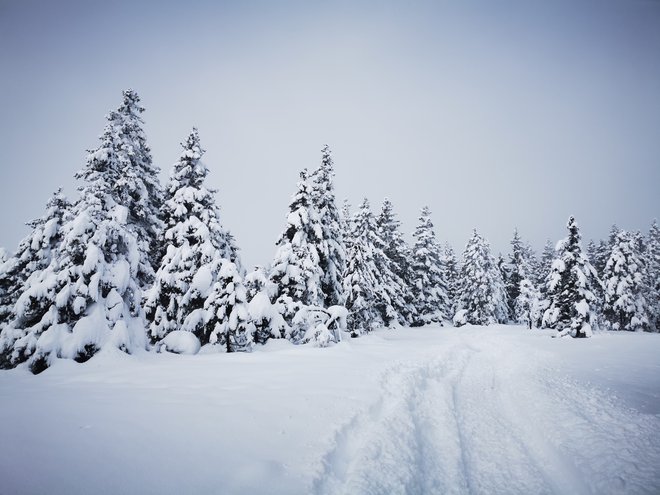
(431, 410)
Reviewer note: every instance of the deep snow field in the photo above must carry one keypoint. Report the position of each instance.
(428, 410)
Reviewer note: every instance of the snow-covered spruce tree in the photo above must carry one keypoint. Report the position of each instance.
(399, 256)
(598, 254)
(517, 269)
(652, 282)
(652, 286)
(362, 279)
(601, 255)
(34, 253)
(137, 187)
(523, 296)
(624, 305)
(330, 242)
(451, 275)
(89, 297)
(394, 292)
(612, 237)
(545, 264)
(296, 270)
(541, 273)
(482, 299)
(533, 263)
(570, 288)
(527, 305)
(503, 268)
(196, 243)
(346, 226)
(592, 254)
(428, 288)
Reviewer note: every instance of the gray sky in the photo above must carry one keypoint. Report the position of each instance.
(495, 114)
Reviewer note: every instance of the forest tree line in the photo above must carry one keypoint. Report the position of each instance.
(133, 265)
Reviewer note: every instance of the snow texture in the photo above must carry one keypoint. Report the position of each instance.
(481, 410)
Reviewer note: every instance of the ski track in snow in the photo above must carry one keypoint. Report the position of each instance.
(474, 420)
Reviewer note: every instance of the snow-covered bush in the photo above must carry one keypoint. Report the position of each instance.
(320, 326)
(266, 315)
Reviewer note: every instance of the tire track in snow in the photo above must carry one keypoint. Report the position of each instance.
(488, 419)
(405, 443)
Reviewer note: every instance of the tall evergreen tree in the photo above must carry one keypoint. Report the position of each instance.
(601, 255)
(523, 296)
(296, 269)
(623, 279)
(34, 253)
(517, 270)
(570, 288)
(540, 275)
(652, 282)
(89, 296)
(592, 253)
(545, 265)
(482, 299)
(196, 243)
(346, 226)
(451, 274)
(362, 280)
(137, 186)
(330, 243)
(614, 234)
(527, 305)
(400, 259)
(429, 288)
(533, 263)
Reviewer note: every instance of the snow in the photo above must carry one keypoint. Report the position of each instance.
(261, 308)
(120, 214)
(460, 318)
(426, 410)
(202, 280)
(180, 342)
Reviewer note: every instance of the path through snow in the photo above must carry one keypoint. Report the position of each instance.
(484, 418)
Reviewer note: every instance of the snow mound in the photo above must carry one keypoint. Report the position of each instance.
(180, 342)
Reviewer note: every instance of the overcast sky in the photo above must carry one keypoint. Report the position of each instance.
(495, 114)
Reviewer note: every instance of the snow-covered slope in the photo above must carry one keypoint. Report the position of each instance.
(428, 410)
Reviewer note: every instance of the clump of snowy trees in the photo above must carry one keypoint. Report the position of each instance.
(132, 266)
